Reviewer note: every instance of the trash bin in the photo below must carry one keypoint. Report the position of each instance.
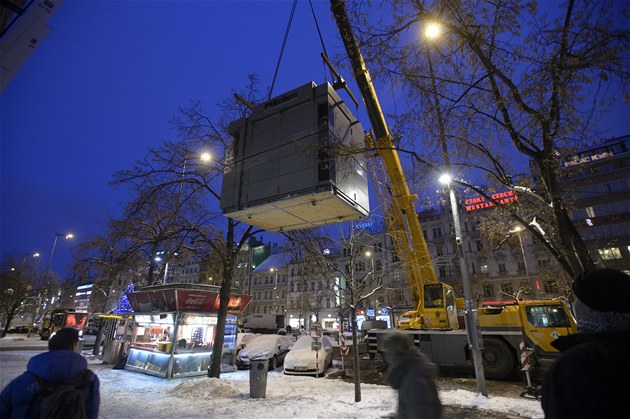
(258, 377)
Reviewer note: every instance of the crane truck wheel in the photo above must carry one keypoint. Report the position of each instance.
(498, 359)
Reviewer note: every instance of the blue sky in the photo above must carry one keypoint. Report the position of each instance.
(98, 91)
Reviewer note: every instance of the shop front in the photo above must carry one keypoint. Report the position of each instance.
(175, 328)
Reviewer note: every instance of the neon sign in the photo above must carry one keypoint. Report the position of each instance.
(578, 160)
(480, 202)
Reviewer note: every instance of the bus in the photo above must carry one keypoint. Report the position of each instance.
(60, 318)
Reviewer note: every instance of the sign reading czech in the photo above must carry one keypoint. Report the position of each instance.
(480, 202)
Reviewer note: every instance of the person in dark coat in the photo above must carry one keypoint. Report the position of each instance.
(592, 379)
(410, 372)
(19, 399)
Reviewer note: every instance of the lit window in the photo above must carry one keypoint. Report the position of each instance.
(610, 253)
(484, 269)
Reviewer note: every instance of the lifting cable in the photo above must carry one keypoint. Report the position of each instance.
(286, 37)
(284, 43)
(321, 39)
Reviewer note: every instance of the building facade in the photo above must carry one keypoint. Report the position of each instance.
(596, 180)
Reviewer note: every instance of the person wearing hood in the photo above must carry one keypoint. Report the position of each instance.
(411, 373)
(19, 399)
(592, 379)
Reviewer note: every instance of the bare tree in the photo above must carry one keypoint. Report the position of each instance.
(505, 79)
(16, 287)
(346, 260)
(177, 194)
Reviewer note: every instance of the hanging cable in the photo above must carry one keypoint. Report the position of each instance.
(319, 33)
(284, 42)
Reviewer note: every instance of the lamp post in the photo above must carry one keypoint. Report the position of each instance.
(275, 290)
(532, 285)
(369, 254)
(158, 258)
(470, 314)
(68, 236)
(35, 255)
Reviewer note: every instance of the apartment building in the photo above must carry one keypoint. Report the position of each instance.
(596, 180)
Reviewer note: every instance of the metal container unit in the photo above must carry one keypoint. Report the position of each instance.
(286, 171)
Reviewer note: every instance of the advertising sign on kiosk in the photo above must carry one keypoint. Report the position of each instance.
(175, 328)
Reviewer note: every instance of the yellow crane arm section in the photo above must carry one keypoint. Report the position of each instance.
(413, 250)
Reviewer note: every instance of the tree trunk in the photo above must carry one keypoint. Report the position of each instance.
(10, 316)
(224, 298)
(99, 338)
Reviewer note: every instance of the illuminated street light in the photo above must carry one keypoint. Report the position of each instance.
(35, 255)
(470, 314)
(205, 157)
(432, 30)
(68, 236)
(275, 290)
(38, 304)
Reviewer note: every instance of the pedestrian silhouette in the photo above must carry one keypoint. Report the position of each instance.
(592, 379)
(410, 372)
(59, 369)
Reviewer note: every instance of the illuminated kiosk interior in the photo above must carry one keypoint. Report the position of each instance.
(175, 328)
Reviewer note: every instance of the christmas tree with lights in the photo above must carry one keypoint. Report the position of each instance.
(124, 306)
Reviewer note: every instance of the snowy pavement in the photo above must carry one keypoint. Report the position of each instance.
(126, 394)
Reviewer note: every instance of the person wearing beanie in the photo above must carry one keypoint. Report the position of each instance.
(61, 364)
(410, 372)
(592, 378)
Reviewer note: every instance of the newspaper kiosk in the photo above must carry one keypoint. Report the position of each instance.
(175, 328)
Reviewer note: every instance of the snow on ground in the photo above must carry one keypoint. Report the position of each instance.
(126, 394)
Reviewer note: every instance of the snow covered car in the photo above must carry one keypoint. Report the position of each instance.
(242, 339)
(303, 360)
(272, 347)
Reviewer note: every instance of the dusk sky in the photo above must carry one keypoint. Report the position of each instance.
(99, 90)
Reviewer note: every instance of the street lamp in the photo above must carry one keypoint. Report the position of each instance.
(275, 290)
(369, 255)
(158, 258)
(68, 236)
(470, 314)
(35, 255)
(432, 30)
(532, 285)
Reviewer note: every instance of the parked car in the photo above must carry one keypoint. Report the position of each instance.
(272, 347)
(243, 338)
(303, 360)
(18, 329)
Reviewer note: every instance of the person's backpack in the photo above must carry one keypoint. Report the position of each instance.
(64, 400)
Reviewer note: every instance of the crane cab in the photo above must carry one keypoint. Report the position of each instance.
(437, 310)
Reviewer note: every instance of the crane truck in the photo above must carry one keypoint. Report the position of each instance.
(507, 331)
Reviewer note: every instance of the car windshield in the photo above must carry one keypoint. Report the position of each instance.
(547, 316)
(305, 342)
(263, 342)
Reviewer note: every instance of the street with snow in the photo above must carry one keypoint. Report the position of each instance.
(126, 394)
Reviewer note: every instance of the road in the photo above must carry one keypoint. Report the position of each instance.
(372, 372)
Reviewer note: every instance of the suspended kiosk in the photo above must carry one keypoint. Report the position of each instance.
(286, 172)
